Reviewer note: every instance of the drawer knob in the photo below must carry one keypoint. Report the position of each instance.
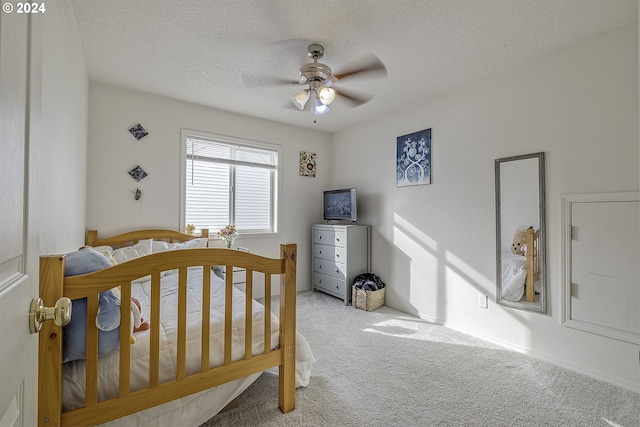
(337, 271)
(337, 287)
(337, 255)
(319, 252)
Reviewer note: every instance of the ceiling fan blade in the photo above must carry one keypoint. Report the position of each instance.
(371, 66)
(355, 99)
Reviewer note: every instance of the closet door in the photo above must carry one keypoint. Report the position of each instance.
(603, 285)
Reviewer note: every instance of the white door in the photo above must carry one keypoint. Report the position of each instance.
(18, 348)
(601, 276)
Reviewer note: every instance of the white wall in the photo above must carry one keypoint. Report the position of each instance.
(113, 151)
(434, 245)
(57, 156)
(58, 143)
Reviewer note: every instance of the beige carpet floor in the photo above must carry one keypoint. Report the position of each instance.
(386, 368)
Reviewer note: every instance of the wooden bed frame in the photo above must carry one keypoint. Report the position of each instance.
(53, 285)
(533, 262)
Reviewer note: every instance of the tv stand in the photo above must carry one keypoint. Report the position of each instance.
(340, 253)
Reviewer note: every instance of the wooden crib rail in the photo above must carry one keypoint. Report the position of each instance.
(53, 285)
(134, 236)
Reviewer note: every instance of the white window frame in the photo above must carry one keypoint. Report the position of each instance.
(275, 184)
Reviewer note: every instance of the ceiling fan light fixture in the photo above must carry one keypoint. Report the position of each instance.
(326, 95)
(320, 107)
(300, 98)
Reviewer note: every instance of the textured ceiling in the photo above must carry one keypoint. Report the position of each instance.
(227, 53)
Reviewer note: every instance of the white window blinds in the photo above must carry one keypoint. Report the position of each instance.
(230, 183)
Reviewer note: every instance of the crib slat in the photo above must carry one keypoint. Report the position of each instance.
(182, 324)
(206, 315)
(125, 340)
(248, 315)
(228, 303)
(91, 391)
(267, 313)
(154, 331)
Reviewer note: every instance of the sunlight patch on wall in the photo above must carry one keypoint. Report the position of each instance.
(464, 273)
(422, 271)
(406, 233)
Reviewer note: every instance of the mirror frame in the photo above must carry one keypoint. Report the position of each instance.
(523, 305)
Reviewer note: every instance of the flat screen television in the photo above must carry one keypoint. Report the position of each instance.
(340, 205)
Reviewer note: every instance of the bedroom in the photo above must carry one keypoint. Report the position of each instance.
(589, 107)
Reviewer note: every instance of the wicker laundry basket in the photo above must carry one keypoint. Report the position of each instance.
(367, 300)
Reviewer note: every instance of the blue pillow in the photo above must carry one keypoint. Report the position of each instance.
(84, 261)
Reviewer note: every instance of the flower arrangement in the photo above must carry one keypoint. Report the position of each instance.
(228, 235)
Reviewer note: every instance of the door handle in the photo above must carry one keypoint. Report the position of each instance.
(60, 313)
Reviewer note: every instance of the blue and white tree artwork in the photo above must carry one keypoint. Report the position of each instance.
(413, 159)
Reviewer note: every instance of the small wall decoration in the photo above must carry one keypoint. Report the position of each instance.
(138, 132)
(413, 159)
(137, 173)
(307, 164)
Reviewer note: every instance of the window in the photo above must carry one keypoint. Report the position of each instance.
(229, 181)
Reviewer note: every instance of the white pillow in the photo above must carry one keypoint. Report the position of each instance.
(142, 248)
(160, 246)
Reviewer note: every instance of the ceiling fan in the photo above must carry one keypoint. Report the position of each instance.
(320, 80)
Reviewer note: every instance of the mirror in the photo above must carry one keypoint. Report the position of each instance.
(520, 232)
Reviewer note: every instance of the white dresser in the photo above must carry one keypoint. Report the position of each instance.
(340, 253)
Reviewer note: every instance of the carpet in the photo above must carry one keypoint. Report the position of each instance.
(387, 368)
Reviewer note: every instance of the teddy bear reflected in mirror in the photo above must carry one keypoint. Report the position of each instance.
(519, 245)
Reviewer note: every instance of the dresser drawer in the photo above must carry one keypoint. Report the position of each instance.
(332, 253)
(331, 268)
(329, 237)
(329, 284)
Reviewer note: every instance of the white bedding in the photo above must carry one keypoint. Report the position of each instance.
(514, 274)
(197, 408)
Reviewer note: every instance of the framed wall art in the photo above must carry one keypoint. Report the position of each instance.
(413, 159)
(137, 173)
(307, 164)
(138, 132)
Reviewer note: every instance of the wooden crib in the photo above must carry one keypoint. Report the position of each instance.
(54, 285)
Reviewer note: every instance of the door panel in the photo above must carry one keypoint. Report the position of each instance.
(604, 273)
(17, 405)
(600, 271)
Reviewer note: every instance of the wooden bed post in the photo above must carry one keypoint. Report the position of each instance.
(92, 237)
(50, 345)
(287, 370)
(531, 254)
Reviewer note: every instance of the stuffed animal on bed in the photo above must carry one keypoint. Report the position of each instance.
(519, 244)
(137, 321)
